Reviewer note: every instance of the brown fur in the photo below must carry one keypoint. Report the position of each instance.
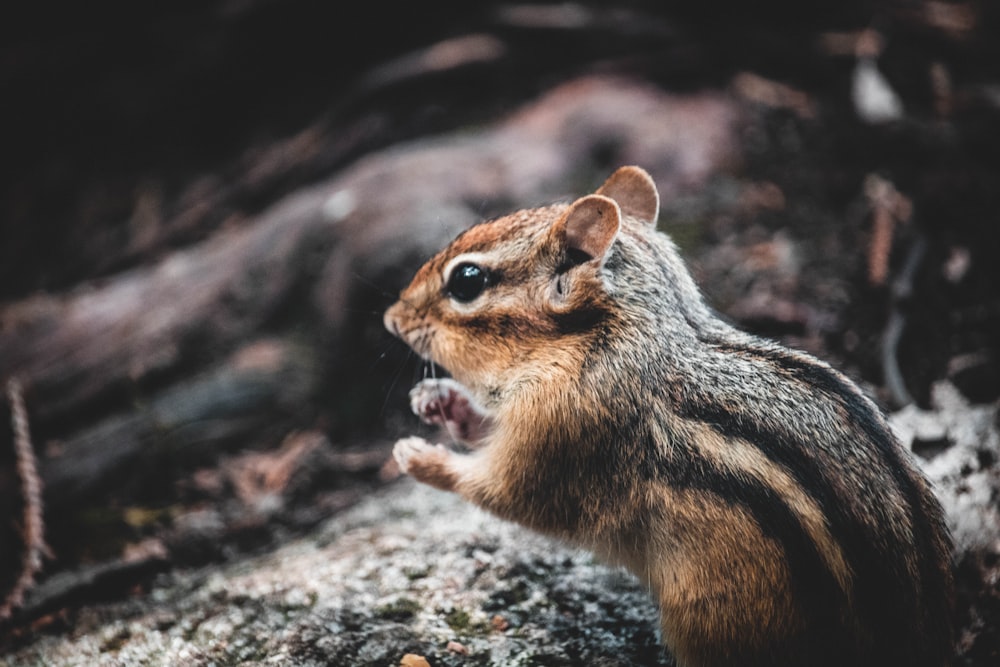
(756, 491)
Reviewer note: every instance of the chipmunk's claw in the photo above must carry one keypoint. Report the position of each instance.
(407, 449)
(445, 402)
(425, 462)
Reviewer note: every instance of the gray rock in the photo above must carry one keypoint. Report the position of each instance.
(409, 570)
(965, 470)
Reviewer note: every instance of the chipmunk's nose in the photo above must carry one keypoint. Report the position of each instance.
(391, 319)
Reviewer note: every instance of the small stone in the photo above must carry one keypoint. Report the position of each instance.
(455, 647)
(413, 660)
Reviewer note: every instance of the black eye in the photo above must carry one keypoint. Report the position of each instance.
(467, 281)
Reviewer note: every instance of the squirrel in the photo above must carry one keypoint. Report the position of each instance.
(755, 490)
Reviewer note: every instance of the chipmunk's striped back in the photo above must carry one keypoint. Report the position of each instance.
(879, 518)
(791, 444)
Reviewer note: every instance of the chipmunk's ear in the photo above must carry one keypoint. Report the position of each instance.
(635, 192)
(589, 226)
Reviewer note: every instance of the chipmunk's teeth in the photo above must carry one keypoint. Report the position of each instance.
(434, 370)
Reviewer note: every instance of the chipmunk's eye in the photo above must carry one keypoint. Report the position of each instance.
(467, 281)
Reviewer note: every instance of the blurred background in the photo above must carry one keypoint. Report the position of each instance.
(206, 206)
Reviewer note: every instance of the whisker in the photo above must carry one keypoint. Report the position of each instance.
(375, 286)
(382, 356)
(395, 380)
(381, 290)
(363, 311)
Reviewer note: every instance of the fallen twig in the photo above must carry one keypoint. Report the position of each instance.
(31, 494)
(888, 207)
(902, 290)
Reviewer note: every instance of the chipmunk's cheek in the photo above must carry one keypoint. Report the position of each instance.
(449, 346)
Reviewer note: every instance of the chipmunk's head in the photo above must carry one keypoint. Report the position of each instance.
(510, 296)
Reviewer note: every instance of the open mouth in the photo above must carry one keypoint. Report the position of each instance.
(433, 370)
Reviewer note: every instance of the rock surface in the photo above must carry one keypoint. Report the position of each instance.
(408, 571)
(964, 468)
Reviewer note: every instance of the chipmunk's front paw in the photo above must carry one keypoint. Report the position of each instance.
(408, 450)
(425, 462)
(447, 403)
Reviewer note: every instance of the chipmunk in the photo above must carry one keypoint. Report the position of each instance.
(755, 490)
